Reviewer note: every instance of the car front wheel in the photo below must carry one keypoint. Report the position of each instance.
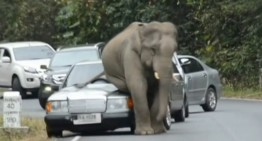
(181, 114)
(168, 119)
(42, 102)
(186, 108)
(211, 100)
(16, 86)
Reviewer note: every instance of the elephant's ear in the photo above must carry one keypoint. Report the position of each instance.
(150, 36)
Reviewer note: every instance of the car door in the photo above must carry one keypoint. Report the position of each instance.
(5, 69)
(177, 83)
(177, 93)
(195, 78)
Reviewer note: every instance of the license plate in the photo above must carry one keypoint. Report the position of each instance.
(87, 119)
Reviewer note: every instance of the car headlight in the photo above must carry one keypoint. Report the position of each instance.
(58, 79)
(117, 104)
(57, 106)
(45, 77)
(48, 89)
(30, 69)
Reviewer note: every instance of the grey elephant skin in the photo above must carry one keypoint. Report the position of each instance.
(138, 60)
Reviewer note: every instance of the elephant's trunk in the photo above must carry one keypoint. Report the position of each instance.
(164, 91)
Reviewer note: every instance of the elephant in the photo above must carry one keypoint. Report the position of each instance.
(138, 60)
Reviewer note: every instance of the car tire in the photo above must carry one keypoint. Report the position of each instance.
(181, 114)
(16, 86)
(211, 100)
(132, 129)
(42, 102)
(168, 120)
(186, 108)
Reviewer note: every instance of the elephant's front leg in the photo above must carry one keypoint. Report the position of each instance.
(158, 126)
(138, 89)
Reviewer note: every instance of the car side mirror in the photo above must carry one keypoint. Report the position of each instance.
(6, 59)
(43, 67)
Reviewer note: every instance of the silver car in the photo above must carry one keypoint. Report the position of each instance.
(202, 83)
(88, 102)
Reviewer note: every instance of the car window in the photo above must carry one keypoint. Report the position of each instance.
(83, 73)
(33, 52)
(6, 53)
(73, 57)
(190, 65)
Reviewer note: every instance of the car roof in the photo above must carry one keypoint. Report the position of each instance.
(181, 56)
(80, 47)
(77, 48)
(22, 44)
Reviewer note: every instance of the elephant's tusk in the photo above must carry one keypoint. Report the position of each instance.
(156, 75)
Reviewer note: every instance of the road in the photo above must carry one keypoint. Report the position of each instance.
(234, 120)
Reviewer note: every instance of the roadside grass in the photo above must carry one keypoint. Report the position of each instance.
(37, 131)
(2, 90)
(246, 93)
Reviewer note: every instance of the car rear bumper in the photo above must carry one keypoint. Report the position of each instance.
(110, 121)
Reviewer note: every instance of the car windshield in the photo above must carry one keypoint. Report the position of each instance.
(33, 52)
(81, 74)
(68, 58)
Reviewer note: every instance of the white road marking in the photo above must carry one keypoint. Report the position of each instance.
(76, 138)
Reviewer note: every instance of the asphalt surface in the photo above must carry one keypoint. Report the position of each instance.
(234, 120)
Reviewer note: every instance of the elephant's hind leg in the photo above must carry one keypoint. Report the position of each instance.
(158, 126)
(138, 88)
(119, 83)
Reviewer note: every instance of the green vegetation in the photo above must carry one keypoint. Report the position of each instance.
(36, 132)
(226, 34)
(247, 93)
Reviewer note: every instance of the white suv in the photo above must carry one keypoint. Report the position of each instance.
(20, 65)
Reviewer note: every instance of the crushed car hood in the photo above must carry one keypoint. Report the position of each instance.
(91, 91)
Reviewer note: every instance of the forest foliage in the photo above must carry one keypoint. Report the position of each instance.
(226, 34)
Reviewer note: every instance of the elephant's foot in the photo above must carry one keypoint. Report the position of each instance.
(158, 128)
(144, 131)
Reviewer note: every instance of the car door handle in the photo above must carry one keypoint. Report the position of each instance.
(189, 78)
(204, 75)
